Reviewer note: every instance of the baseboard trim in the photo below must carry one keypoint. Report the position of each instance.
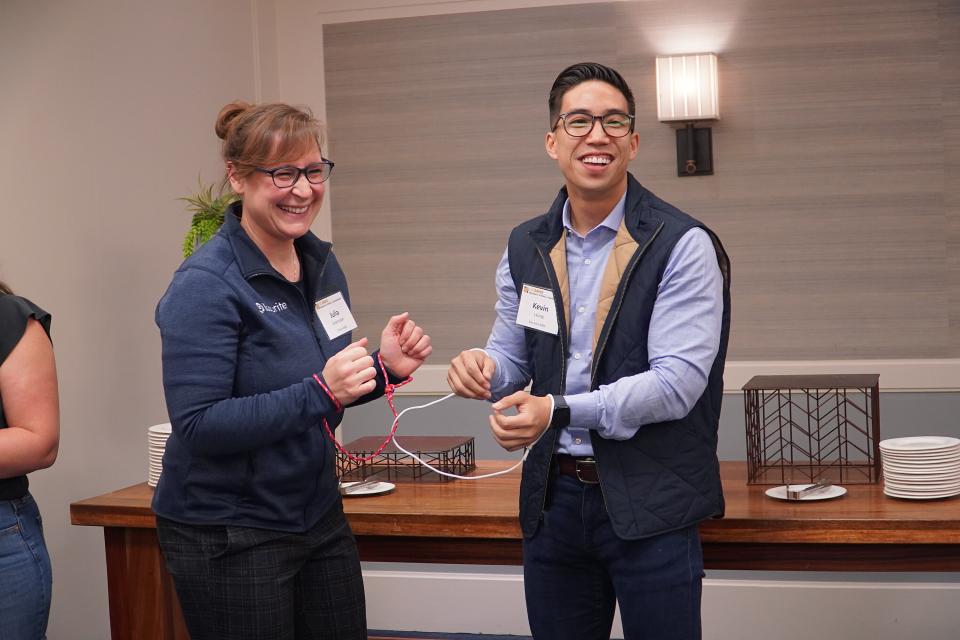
(482, 603)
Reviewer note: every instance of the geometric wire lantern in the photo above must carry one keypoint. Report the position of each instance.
(804, 428)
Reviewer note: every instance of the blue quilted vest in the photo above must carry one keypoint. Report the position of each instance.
(667, 476)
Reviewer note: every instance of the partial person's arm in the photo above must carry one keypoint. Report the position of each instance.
(683, 341)
(507, 345)
(201, 328)
(28, 386)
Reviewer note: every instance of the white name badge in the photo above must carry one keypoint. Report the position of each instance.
(335, 315)
(537, 310)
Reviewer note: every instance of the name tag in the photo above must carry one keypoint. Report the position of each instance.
(537, 310)
(335, 315)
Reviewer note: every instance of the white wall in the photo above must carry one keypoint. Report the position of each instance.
(106, 118)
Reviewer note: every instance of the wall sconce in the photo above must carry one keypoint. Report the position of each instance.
(687, 92)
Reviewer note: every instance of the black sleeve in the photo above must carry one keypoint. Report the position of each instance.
(14, 313)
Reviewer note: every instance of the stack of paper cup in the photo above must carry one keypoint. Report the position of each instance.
(156, 442)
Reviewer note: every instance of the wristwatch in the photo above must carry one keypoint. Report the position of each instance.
(561, 413)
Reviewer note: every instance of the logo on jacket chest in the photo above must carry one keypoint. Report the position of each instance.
(276, 307)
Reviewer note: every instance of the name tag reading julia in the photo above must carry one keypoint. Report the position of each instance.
(537, 310)
(335, 315)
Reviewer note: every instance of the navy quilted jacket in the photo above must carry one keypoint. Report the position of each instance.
(667, 476)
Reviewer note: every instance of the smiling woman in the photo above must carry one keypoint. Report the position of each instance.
(249, 516)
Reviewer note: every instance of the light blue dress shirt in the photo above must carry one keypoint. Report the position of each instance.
(682, 343)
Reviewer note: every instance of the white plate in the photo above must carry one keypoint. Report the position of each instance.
(918, 443)
(929, 477)
(160, 428)
(920, 491)
(930, 474)
(780, 493)
(919, 467)
(913, 496)
(370, 490)
(922, 456)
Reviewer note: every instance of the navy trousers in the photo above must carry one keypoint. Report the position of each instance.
(238, 583)
(576, 569)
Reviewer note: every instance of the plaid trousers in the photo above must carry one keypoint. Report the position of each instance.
(239, 583)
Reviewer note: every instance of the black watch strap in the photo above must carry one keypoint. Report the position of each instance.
(561, 413)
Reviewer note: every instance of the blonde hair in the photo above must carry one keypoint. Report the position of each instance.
(4, 288)
(256, 135)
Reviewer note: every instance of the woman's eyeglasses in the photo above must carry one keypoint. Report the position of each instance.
(287, 176)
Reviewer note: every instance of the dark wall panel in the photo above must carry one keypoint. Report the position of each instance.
(833, 189)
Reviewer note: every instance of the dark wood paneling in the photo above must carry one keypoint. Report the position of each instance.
(950, 78)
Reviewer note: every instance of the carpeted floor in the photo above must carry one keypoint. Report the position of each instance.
(404, 635)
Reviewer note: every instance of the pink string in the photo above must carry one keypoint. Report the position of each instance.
(389, 390)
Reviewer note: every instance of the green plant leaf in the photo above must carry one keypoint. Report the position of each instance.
(208, 210)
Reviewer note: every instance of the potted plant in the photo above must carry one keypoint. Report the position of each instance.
(207, 208)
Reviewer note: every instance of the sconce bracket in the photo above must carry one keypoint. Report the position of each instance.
(696, 145)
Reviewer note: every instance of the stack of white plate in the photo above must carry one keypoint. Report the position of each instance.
(156, 442)
(921, 467)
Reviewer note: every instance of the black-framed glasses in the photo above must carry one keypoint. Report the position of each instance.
(580, 123)
(286, 176)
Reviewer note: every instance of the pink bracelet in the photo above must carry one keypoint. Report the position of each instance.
(388, 390)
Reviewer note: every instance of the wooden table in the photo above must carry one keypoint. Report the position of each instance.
(467, 522)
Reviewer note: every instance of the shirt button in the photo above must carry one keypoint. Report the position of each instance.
(576, 356)
(586, 261)
(581, 309)
(578, 441)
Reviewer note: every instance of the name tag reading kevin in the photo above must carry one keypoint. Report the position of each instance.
(335, 315)
(537, 310)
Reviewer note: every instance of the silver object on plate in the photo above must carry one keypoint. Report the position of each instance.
(363, 484)
(799, 494)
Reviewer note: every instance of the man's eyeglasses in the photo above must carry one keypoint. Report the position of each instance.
(287, 176)
(579, 123)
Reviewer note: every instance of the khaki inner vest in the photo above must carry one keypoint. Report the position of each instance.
(624, 246)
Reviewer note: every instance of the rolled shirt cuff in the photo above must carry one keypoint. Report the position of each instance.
(584, 410)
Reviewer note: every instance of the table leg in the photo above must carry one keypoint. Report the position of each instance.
(143, 603)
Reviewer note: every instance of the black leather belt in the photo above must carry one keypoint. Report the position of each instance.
(583, 469)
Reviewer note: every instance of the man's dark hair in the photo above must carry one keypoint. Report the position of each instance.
(582, 72)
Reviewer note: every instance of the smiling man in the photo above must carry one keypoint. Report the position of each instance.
(616, 306)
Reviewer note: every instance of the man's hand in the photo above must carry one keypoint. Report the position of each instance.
(403, 345)
(470, 373)
(349, 374)
(523, 429)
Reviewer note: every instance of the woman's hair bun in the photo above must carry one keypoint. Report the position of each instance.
(227, 116)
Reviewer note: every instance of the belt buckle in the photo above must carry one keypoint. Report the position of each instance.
(587, 461)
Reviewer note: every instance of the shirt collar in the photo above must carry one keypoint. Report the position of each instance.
(612, 221)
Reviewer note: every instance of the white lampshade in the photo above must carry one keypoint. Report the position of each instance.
(687, 88)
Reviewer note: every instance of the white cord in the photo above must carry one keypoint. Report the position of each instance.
(526, 450)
